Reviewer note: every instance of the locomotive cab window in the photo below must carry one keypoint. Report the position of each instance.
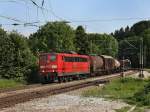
(53, 58)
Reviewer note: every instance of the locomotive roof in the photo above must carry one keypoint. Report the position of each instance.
(66, 54)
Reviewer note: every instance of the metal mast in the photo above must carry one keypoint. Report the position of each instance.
(141, 59)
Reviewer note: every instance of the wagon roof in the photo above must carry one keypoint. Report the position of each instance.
(105, 56)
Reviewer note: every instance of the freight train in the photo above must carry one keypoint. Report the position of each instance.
(63, 67)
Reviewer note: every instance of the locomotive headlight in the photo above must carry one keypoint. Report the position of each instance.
(54, 66)
(42, 67)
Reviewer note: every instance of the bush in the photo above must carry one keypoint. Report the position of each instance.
(143, 96)
(16, 58)
(33, 77)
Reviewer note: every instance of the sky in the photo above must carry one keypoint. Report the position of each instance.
(97, 16)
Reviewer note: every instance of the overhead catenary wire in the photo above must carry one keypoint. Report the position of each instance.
(13, 1)
(11, 18)
(25, 23)
(43, 1)
(42, 8)
(52, 11)
(34, 2)
(111, 19)
(19, 24)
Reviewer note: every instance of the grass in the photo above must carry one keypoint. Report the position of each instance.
(125, 109)
(147, 69)
(4, 83)
(127, 89)
(117, 89)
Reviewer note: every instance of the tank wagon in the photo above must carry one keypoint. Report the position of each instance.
(103, 64)
(66, 67)
(96, 64)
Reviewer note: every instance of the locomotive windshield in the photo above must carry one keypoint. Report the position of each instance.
(52, 57)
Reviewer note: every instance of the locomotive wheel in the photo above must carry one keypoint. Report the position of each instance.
(59, 79)
(50, 80)
(84, 76)
(68, 79)
(79, 77)
(64, 79)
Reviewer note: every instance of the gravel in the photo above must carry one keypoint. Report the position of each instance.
(67, 103)
(146, 75)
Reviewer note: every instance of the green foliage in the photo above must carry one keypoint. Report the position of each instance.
(102, 44)
(142, 97)
(133, 35)
(53, 37)
(33, 77)
(129, 48)
(146, 39)
(16, 59)
(123, 33)
(23, 56)
(6, 54)
(140, 27)
(81, 40)
(60, 37)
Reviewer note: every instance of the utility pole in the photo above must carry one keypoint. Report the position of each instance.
(141, 59)
(123, 67)
(91, 44)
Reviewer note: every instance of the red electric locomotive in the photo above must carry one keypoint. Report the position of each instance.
(62, 66)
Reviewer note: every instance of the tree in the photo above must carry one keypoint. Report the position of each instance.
(24, 59)
(137, 31)
(130, 49)
(119, 34)
(140, 27)
(81, 40)
(146, 39)
(53, 37)
(6, 54)
(102, 44)
(16, 59)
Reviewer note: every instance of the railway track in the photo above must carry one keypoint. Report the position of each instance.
(11, 98)
(19, 88)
